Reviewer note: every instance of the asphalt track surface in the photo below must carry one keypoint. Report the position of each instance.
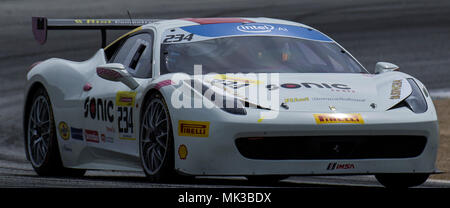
(412, 34)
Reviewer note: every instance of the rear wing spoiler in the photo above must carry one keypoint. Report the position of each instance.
(42, 24)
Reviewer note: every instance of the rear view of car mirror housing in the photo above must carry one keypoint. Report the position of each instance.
(382, 67)
(116, 72)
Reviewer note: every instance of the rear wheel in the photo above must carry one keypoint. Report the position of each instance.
(41, 142)
(156, 140)
(402, 180)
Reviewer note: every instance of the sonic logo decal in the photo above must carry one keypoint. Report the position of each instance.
(333, 118)
(193, 128)
(99, 109)
(316, 85)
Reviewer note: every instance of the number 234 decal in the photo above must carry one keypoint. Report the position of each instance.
(178, 38)
(125, 119)
(125, 103)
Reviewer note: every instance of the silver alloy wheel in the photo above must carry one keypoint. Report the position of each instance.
(39, 131)
(154, 136)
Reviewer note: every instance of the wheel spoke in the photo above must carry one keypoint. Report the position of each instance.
(153, 162)
(44, 122)
(37, 111)
(158, 154)
(160, 122)
(145, 123)
(162, 137)
(46, 133)
(37, 141)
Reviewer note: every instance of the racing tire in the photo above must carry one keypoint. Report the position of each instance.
(41, 139)
(266, 179)
(402, 180)
(156, 145)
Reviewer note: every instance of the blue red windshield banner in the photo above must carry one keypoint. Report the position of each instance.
(245, 29)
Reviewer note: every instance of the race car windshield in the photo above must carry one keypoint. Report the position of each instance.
(257, 54)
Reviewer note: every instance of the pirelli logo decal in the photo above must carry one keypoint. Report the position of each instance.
(193, 128)
(333, 118)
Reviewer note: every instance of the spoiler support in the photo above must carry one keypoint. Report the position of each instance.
(41, 25)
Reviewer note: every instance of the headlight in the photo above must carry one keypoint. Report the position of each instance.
(230, 105)
(416, 101)
(236, 108)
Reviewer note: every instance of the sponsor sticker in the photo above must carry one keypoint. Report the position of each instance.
(340, 166)
(109, 139)
(127, 138)
(294, 100)
(182, 152)
(125, 124)
(91, 136)
(333, 118)
(64, 130)
(236, 79)
(255, 28)
(396, 89)
(338, 99)
(124, 98)
(110, 129)
(77, 134)
(193, 128)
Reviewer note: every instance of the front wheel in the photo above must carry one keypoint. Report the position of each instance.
(156, 140)
(402, 180)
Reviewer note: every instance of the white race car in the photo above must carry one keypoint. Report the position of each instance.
(256, 97)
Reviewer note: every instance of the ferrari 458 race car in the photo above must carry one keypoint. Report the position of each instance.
(256, 97)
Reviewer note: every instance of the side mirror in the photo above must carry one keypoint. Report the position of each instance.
(382, 67)
(116, 72)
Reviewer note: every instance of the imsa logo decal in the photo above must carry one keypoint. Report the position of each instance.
(333, 118)
(339, 166)
(193, 128)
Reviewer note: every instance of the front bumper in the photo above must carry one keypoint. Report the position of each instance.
(217, 154)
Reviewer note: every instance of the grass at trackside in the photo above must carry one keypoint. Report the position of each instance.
(443, 160)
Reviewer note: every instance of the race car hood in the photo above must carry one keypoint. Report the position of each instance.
(336, 92)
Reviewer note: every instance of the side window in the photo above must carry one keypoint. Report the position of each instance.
(136, 55)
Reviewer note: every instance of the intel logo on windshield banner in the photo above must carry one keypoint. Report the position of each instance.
(255, 28)
(236, 29)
